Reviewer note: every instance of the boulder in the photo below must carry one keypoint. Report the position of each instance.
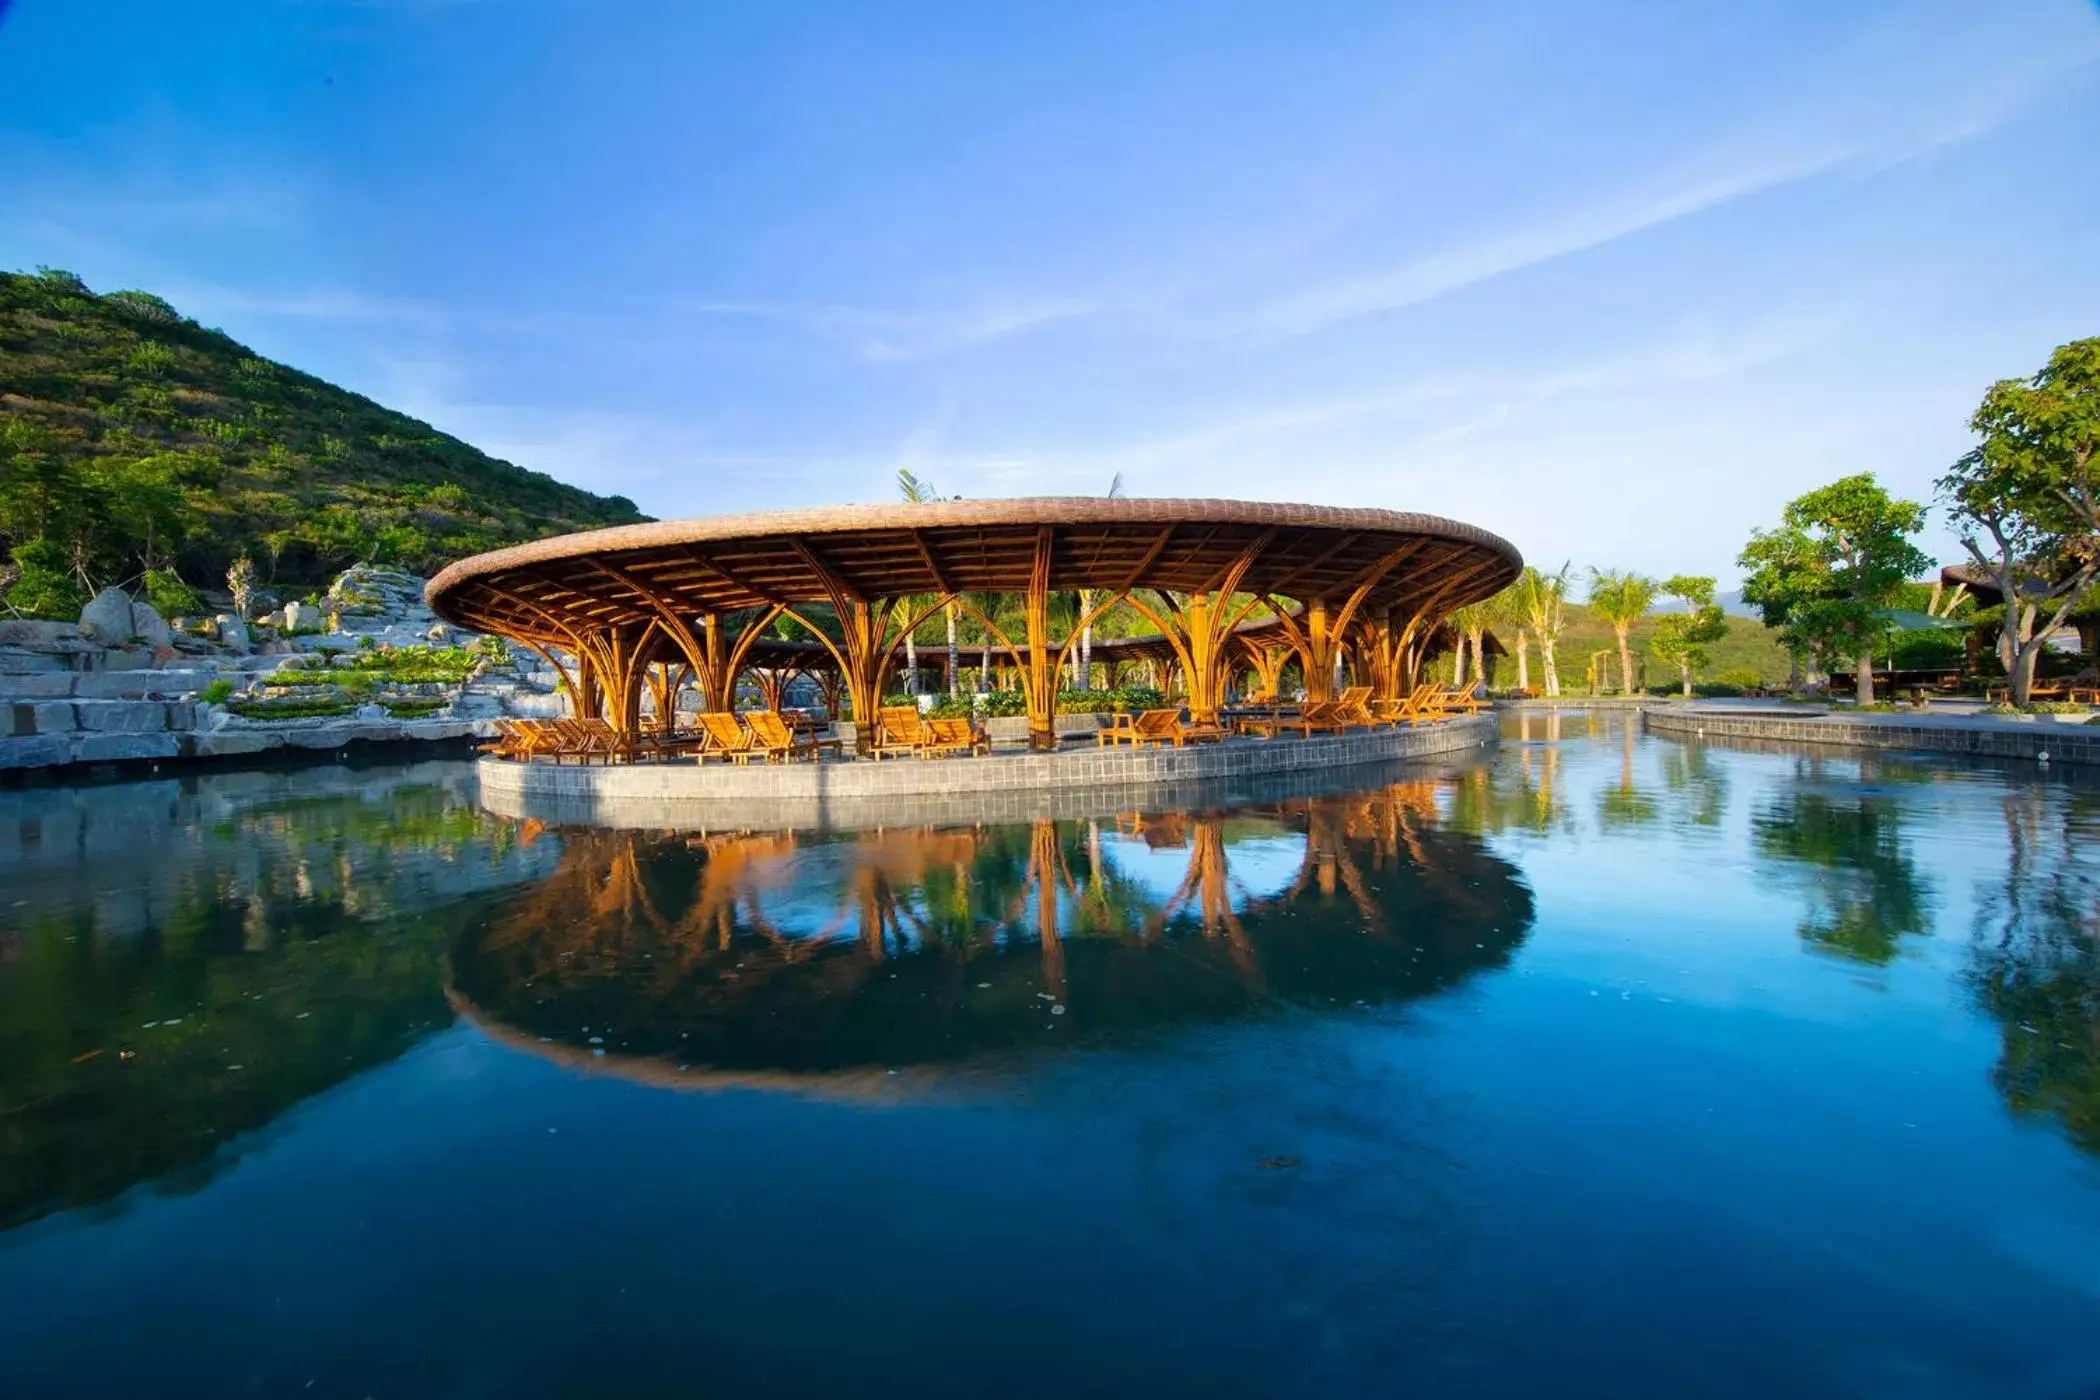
(149, 625)
(233, 633)
(298, 615)
(108, 748)
(41, 751)
(107, 618)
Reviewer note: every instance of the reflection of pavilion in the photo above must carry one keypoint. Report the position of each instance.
(733, 957)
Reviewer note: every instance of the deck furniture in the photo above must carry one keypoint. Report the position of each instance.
(899, 730)
(1349, 710)
(945, 738)
(773, 736)
(726, 737)
(1158, 727)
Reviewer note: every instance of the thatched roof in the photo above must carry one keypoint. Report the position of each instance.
(726, 564)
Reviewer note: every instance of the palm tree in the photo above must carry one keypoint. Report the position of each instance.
(1085, 680)
(1622, 600)
(916, 490)
(1543, 599)
(1470, 623)
(1506, 614)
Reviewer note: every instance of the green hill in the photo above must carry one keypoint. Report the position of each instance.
(133, 438)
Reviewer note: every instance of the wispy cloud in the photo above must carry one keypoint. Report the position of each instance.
(884, 334)
(1725, 176)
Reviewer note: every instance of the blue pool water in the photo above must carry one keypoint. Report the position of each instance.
(1607, 1066)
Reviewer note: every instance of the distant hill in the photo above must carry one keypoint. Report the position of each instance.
(131, 436)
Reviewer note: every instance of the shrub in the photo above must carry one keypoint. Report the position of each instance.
(1138, 697)
(43, 586)
(953, 707)
(413, 706)
(357, 685)
(218, 692)
(1001, 704)
(1740, 678)
(169, 596)
(301, 708)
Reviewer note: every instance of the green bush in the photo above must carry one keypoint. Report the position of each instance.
(218, 692)
(1001, 704)
(953, 707)
(413, 706)
(44, 587)
(169, 596)
(302, 708)
(1138, 697)
(1739, 678)
(357, 685)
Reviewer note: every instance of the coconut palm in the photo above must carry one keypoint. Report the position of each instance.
(916, 490)
(1506, 615)
(1470, 624)
(1622, 599)
(1083, 678)
(1542, 599)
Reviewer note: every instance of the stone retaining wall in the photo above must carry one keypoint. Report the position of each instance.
(909, 791)
(1984, 738)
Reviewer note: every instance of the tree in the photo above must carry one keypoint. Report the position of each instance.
(1542, 599)
(1681, 638)
(2029, 487)
(1622, 600)
(916, 490)
(1839, 555)
(240, 582)
(1469, 626)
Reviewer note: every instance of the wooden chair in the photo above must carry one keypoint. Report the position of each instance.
(773, 736)
(1349, 710)
(1423, 705)
(1165, 727)
(900, 729)
(1464, 698)
(953, 736)
(1271, 724)
(726, 738)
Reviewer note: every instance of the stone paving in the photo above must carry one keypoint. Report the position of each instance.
(1984, 736)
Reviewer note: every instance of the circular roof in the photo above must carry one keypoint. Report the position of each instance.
(725, 564)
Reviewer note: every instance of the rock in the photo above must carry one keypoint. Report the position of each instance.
(43, 751)
(148, 625)
(298, 615)
(48, 717)
(107, 618)
(442, 635)
(233, 633)
(229, 744)
(36, 633)
(121, 716)
(44, 685)
(110, 748)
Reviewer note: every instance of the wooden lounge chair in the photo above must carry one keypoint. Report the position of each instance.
(777, 740)
(1271, 723)
(1423, 705)
(899, 729)
(726, 738)
(1465, 698)
(1349, 710)
(946, 737)
(1165, 727)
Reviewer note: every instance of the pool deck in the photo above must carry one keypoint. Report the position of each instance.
(1002, 786)
(2038, 739)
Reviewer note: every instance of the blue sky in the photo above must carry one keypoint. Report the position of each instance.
(1615, 280)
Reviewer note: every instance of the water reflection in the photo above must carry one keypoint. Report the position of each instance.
(2036, 962)
(180, 962)
(704, 958)
(1848, 852)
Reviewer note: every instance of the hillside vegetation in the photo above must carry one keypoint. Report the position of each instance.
(134, 439)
